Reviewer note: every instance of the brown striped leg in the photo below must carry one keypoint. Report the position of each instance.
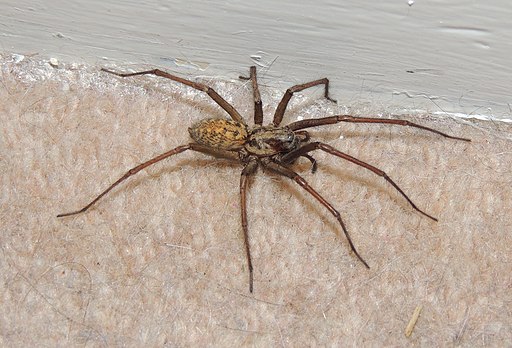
(290, 157)
(136, 169)
(315, 122)
(199, 86)
(249, 169)
(280, 169)
(258, 107)
(281, 107)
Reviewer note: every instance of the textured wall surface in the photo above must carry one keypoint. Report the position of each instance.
(437, 55)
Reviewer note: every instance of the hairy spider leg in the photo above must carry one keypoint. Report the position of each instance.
(258, 106)
(136, 169)
(314, 122)
(249, 169)
(331, 150)
(314, 165)
(235, 115)
(281, 107)
(306, 137)
(280, 169)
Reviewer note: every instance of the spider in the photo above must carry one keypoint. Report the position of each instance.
(273, 146)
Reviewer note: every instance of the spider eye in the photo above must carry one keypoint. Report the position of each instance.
(283, 143)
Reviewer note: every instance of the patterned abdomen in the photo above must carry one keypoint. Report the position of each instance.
(219, 133)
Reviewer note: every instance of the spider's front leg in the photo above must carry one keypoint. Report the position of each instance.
(281, 107)
(291, 156)
(280, 169)
(315, 122)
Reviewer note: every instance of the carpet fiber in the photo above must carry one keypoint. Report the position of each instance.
(160, 260)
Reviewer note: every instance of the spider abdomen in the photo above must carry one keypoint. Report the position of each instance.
(219, 133)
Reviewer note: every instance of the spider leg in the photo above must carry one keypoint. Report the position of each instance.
(280, 169)
(199, 86)
(249, 169)
(314, 165)
(258, 107)
(281, 107)
(136, 169)
(347, 118)
(331, 150)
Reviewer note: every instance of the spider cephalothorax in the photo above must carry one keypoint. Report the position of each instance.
(273, 146)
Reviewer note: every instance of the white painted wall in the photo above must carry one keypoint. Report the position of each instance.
(425, 54)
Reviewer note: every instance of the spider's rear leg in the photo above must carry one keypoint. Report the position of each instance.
(281, 107)
(249, 169)
(136, 169)
(235, 115)
(280, 169)
(258, 106)
(331, 150)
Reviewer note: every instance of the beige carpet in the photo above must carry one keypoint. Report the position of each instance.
(160, 260)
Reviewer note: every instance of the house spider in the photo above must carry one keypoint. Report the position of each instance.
(273, 146)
